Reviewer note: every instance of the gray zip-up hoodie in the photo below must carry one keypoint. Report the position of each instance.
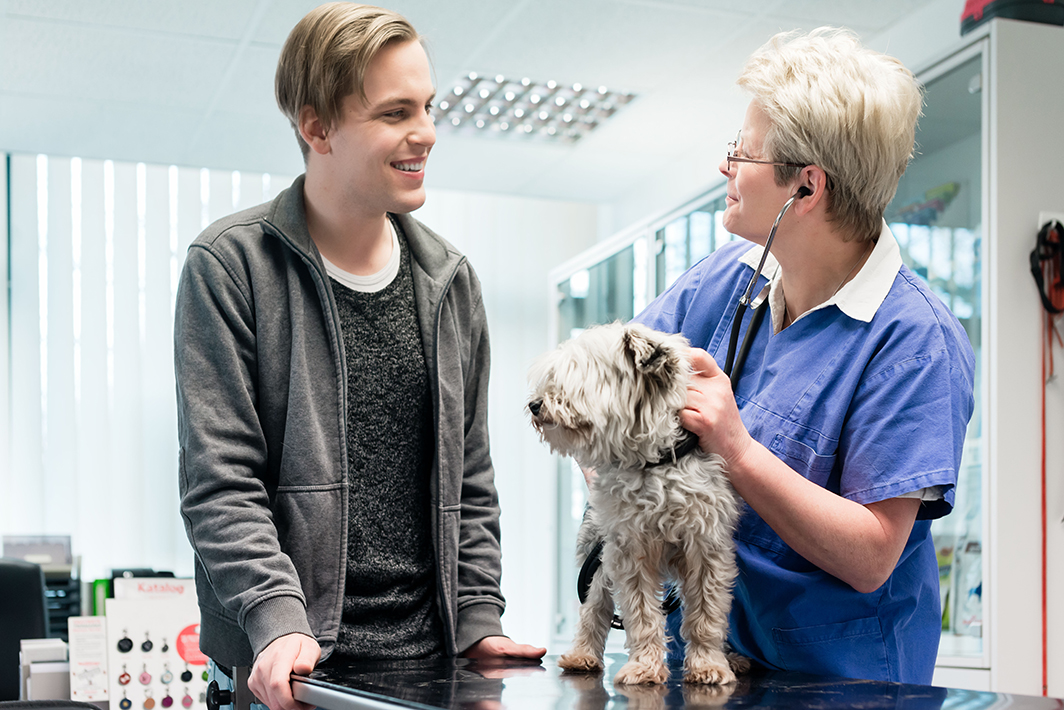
(261, 381)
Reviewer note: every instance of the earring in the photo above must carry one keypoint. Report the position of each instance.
(125, 644)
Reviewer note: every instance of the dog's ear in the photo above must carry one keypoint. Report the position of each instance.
(649, 357)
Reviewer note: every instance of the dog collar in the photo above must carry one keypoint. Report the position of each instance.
(685, 445)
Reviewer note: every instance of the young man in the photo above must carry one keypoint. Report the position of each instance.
(332, 368)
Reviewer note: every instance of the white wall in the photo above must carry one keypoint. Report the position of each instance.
(513, 242)
(1026, 152)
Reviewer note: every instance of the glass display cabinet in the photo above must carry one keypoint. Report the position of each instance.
(953, 210)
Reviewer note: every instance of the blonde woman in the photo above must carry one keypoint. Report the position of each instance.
(845, 428)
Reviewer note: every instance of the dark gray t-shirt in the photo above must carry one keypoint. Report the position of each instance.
(390, 606)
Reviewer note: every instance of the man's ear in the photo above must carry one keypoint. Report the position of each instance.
(313, 130)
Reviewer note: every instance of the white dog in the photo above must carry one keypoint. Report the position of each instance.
(611, 399)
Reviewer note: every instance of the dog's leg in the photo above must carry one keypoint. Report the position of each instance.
(636, 571)
(596, 615)
(707, 579)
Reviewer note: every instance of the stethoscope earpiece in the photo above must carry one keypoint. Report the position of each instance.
(804, 191)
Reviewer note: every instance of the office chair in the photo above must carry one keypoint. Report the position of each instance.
(23, 615)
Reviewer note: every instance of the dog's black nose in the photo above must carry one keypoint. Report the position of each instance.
(534, 406)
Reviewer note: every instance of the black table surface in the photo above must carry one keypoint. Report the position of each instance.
(464, 684)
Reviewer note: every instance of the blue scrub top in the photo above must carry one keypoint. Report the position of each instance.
(868, 410)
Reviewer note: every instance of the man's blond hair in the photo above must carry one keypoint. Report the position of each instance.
(325, 58)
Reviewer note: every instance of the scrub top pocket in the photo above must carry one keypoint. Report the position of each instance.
(806, 460)
(848, 648)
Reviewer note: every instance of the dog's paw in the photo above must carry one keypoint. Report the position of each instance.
(739, 664)
(580, 663)
(637, 673)
(708, 674)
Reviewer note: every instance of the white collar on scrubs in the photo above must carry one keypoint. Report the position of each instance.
(860, 298)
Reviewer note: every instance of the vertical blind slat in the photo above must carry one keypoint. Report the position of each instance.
(94, 464)
(27, 479)
(60, 436)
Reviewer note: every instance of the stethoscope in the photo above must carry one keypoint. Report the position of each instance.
(733, 367)
(733, 363)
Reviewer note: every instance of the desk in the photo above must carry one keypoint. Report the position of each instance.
(464, 684)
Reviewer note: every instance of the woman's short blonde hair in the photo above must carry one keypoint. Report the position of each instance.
(842, 107)
(325, 58)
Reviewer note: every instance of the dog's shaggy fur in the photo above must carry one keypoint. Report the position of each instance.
(611, 398)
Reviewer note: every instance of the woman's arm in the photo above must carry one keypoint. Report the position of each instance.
(859, 544)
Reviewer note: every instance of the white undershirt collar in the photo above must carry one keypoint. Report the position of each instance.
(373, 282)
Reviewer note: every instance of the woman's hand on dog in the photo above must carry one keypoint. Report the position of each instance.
(711, 413)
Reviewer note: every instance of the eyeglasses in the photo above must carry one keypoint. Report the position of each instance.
(733, 146)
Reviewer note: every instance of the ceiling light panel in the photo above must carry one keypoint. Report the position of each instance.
(525, 109)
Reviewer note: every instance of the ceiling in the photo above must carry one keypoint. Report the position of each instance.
(191, 82)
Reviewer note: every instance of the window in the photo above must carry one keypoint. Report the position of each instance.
(96, 249)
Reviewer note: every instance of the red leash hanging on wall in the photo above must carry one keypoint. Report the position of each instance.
(1047, 267)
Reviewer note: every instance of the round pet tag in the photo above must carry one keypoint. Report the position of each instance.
(149, 703)
(167, 701)
(166, 677)
(186, 701)
(125, 703)
(186, 676)
(147, 645)
(145, 678)
(124, 678)
(125, 644)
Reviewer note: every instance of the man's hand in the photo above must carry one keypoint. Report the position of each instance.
(502, 647)
(270, 675)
